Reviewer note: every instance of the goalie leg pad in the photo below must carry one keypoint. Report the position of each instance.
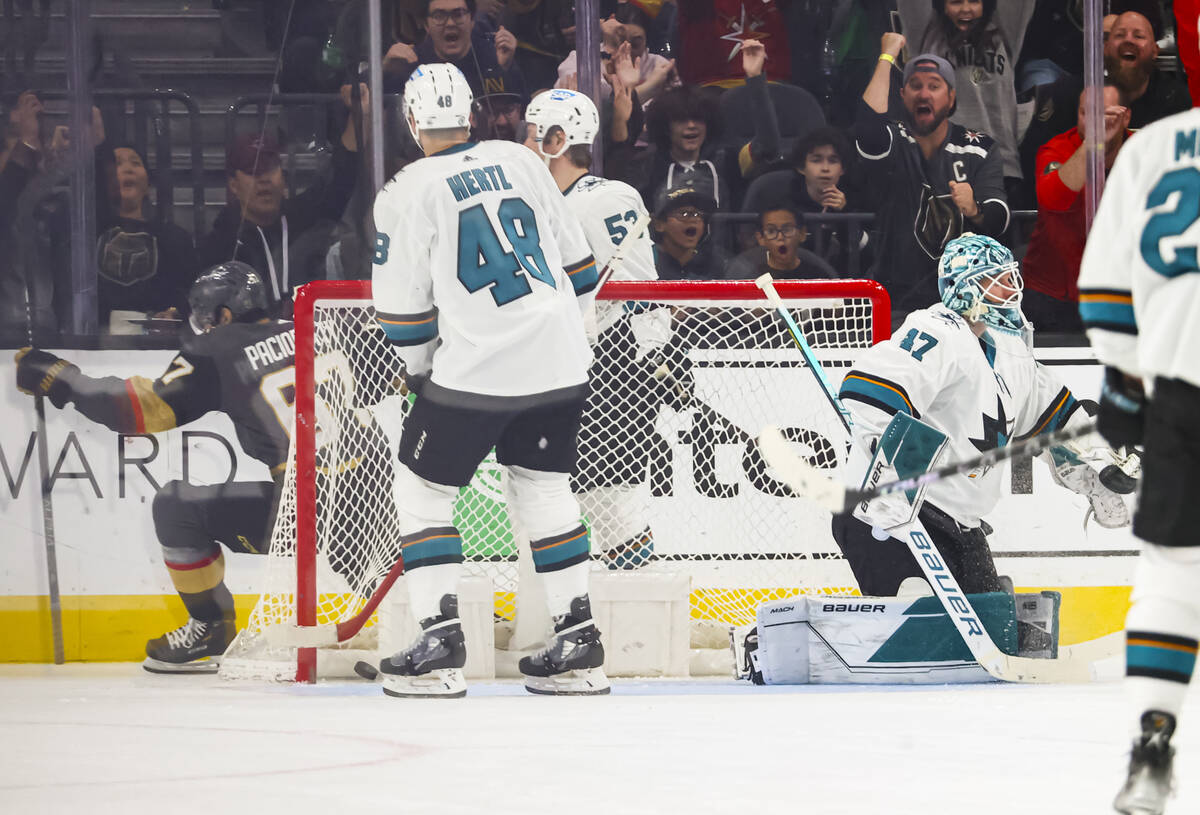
(873, 640)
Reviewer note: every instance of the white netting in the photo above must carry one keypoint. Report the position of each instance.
(669, 477)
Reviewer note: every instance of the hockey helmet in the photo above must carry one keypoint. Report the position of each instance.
(437, 97)
(979, 278)
(233, 285)
(571, 110)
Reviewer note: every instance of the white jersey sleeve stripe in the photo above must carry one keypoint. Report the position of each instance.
(409, 329)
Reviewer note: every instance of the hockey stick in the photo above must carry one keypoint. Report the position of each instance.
(1078, 663)
(56, 629)
(807, 480)
(323, 635)
(767, 284)
(43, 453)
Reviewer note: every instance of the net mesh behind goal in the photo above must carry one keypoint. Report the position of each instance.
(669, 478)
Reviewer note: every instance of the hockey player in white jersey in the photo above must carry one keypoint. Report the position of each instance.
(1139, 296)
(964, 366)
(480, 281)
(631, 346)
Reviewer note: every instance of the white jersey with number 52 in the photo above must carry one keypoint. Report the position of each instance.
(481, 275)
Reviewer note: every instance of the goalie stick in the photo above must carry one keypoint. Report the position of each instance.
(807, 480)
(767, 284)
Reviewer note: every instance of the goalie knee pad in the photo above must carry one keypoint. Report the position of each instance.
(542, 502)
(421, 504)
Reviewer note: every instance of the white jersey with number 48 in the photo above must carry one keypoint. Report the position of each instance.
(1139, 283)
(480, 275)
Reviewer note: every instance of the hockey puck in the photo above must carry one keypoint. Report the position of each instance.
(1116, 480)
(366, 670)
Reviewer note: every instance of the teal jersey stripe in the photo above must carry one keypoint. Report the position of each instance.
(1151, 657)
(552, 554)
(436, 548)
(1113, 316)
(409, 329)
(584, 278)
(874, 394)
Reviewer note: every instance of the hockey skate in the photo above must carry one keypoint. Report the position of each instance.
(432, 666)
(193, 648)
(1149, 782)
(571, 663)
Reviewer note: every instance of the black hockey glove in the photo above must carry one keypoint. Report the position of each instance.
(1122, 416)
(42, 374)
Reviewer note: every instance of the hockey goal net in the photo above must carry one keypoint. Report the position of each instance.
(685, 376)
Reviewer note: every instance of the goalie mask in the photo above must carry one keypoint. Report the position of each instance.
(437, 97)
(574, 112)
(980, 279)
(233, 285)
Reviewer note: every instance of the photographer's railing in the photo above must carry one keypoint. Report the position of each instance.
(727, 227)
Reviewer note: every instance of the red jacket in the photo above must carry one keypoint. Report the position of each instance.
(1051, 264)
(711, 33)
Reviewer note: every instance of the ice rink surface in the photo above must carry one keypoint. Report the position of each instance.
(114, 739)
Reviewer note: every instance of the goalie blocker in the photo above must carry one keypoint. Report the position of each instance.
(888, 640)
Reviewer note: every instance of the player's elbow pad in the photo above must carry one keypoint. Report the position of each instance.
(583, 275)
(409, 329)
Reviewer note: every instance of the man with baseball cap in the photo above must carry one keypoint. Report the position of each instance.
(277, 235)
(937, 179)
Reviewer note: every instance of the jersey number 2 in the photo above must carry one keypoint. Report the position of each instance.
(1172, 223)
(484, 262)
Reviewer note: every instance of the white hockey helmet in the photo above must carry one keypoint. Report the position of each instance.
(979, 278)
(573, 111)
(437, 97)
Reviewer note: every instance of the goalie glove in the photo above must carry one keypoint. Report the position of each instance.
(1107, 506)
(40, 373)
(1122, 416)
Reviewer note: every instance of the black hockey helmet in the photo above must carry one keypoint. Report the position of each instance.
(233, 285)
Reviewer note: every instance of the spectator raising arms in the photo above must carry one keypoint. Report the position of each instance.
(485, 58)
(1056, 246)
(940, 179)
(981, 39)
